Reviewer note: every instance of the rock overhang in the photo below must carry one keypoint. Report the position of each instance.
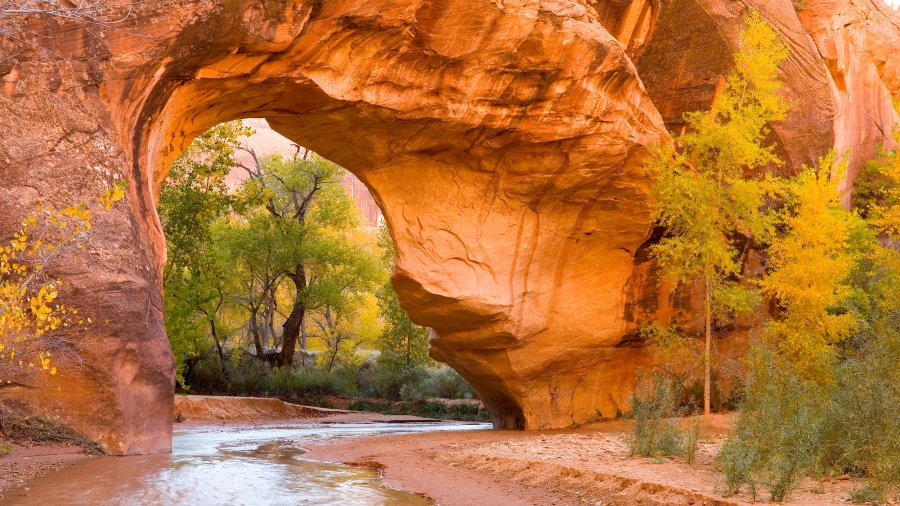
(505, 149)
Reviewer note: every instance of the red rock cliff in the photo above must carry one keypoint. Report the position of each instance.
(504, 142)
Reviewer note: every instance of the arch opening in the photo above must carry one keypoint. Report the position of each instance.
(505, 150)
(277, 279)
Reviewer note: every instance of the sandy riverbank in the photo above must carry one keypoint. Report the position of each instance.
(25, 463)
(590, 465)
(205, 410)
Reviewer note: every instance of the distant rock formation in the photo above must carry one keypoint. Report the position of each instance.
(504, 141)
(266, 141)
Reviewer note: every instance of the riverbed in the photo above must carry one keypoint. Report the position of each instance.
(229, 466)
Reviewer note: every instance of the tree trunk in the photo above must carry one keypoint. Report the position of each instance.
(290, 335)
(254, 331)
(215, 336)
(707, 359)
(294, 323)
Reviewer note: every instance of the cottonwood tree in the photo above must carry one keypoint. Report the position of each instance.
(810, 270)
(259, 259)
(708, 190)
(194, 197)
(302, 234)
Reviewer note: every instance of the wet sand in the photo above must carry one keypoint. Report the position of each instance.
(25, 463)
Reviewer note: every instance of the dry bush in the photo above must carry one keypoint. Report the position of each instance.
(40, 430)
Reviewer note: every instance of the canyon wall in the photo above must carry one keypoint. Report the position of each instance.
(504, 142)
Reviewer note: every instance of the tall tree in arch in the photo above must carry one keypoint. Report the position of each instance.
(712, 183)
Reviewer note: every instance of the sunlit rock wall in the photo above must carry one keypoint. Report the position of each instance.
(504, 142)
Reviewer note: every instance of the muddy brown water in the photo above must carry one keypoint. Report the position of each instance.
(237, 466)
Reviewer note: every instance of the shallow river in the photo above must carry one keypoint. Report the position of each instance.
(227, 467)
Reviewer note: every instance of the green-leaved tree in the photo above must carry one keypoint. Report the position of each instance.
(295, 253)
(193, 198)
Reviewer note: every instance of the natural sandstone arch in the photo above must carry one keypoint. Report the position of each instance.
(505, 150)
(491, 202)
(504, 141)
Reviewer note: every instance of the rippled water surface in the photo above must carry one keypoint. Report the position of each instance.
(227, 467)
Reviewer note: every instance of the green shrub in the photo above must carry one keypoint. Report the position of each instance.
(866, 495)
(435, 409)
(736, 462)
(862, 422)
(691, 440)
(366, 380)
(446, 383)
(409, 392)
(789, 428)
(692, 393)
(5, 448)
(306, 383)
(390, 380)
(776, 440)
(657, 414)
(466, 411)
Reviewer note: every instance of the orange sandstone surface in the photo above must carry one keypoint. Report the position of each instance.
(503, 141)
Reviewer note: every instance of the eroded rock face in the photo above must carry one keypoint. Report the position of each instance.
(839, 77)
(504, 142)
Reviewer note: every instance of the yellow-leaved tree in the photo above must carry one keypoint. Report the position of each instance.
(809, 270)
(876, 191)
(710, 195)
(35, 328)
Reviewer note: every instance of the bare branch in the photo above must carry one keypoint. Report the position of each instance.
(95, 17)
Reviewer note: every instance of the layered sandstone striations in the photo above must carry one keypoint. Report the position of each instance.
(504, 142)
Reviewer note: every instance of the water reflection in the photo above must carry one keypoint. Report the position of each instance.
(226, 467)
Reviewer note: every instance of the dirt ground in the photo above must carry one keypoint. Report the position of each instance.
(589, 465)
